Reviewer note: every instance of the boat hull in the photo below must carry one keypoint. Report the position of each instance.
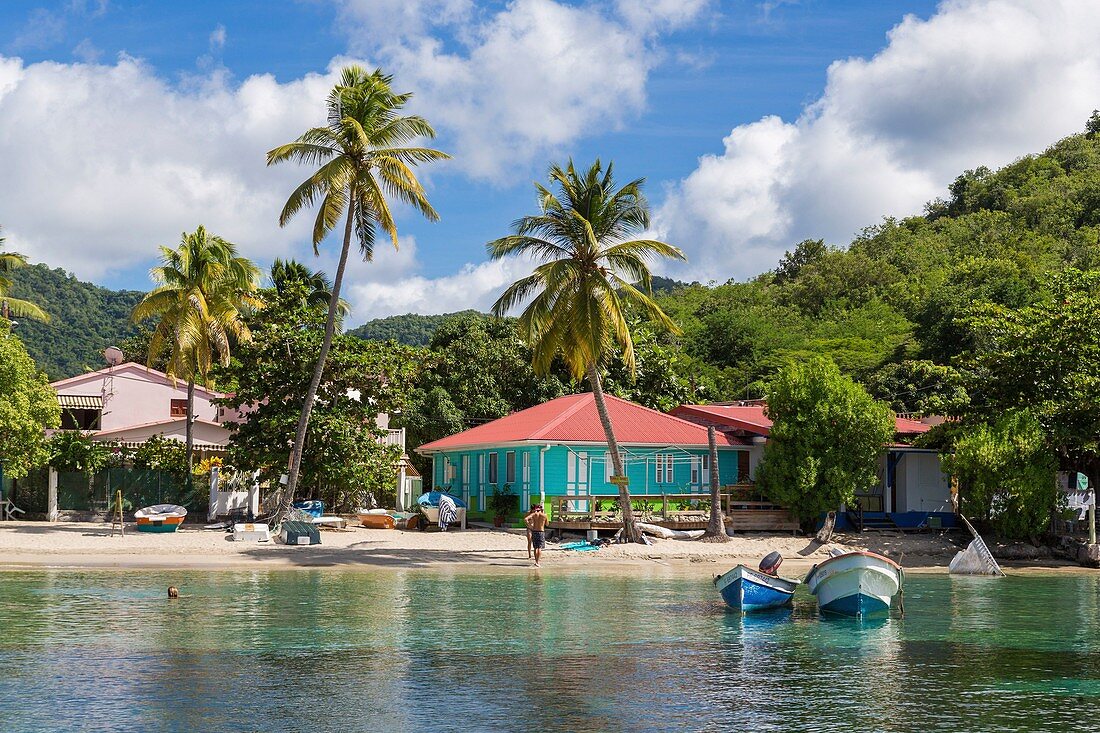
(747, 590)
(171, 524)
(160, 518)
(377, 521)
(857, 584)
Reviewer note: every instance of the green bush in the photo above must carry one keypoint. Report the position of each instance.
(1006, 472)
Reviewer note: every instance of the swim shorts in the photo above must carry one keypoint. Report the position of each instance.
(538, 539)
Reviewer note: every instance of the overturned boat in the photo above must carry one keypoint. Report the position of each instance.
(858, 583)
(160, 518)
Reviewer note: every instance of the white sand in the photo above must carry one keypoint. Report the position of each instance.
(90, 545)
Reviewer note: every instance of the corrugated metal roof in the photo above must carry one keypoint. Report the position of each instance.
(574, 419)
(80, 401)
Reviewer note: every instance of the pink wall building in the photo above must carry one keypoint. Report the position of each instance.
(130, 403)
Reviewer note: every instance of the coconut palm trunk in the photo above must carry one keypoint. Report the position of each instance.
(630, 532)
(716, 527)
(318, 369)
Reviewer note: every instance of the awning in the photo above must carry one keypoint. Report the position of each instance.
(80, 401)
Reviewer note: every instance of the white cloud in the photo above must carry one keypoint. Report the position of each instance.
(111, 160)
(652, 15)
(390, 285)
(979, 83)
(522, 84)
(217, 38)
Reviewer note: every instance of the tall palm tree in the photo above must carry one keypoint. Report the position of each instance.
(364, 156)
(285, 272)
(591, 270)
(203, 287)
(10, 306)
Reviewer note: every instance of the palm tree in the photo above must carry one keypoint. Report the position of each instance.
(590, 271)
(14, 306)
(364, 156)
(285, 272)
(203, 287)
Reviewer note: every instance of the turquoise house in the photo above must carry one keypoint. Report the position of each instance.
(558, 448)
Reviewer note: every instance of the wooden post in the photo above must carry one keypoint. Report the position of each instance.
(1092, 520)
(52, 513)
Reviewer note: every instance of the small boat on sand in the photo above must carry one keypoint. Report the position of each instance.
(744, 589)
(376, 519)
(160, 518)
(855, 584)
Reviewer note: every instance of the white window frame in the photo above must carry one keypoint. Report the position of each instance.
(481, 482)
(526, 500)
(696, 470)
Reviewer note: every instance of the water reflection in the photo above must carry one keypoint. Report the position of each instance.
(404, 651)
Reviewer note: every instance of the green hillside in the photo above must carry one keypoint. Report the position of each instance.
(85, 319)
(894, 308)
(411, 329)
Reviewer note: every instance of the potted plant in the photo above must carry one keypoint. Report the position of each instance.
(502, 502)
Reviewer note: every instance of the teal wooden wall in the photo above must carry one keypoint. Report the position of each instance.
(565, 471)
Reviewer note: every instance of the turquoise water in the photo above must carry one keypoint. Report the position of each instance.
(418, 650)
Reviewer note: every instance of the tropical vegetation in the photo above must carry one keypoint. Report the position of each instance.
(592, 269)
(826, 438)
(366, 155)
(345, 457)
(203, 289)
(9, 304)
(28, 406)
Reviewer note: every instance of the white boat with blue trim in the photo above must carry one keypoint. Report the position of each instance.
(858, 583)
(744, 589)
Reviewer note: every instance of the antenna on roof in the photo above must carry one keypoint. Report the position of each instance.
(113, 355)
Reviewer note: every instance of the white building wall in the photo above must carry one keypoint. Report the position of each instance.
(926, 487)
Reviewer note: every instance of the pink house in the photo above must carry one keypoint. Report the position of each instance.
(131, 403)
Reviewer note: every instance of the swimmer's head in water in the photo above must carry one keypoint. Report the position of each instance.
(173, 592)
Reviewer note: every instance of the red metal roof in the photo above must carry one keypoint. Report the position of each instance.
(752, 418)
(573, 419)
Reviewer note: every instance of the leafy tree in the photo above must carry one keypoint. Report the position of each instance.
(364, 160)
(1006, 473)
(344, 455)
(319, 288)
(73, 450)
(161, 454)
(664, 376)
(806, 252)
(826, 438)
(28, 406)
(920, 386)
(1045, 358)
(203, 287)
(10, 305)
(577, 296)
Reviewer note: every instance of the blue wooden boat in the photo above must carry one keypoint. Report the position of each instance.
(744, 589)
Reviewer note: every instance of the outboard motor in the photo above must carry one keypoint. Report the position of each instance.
(770, 564)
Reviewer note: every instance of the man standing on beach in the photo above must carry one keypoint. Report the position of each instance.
(536, 524)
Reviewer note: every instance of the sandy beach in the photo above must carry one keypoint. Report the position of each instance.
(91, 545)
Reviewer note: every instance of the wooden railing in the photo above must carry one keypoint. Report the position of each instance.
(734, 500)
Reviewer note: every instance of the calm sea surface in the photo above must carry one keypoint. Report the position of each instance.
(409, 651)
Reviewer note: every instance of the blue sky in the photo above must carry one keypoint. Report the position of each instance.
(755, 123)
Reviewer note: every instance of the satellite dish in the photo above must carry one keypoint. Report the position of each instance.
(113, 355)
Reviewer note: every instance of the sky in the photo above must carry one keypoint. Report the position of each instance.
(756, 123)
